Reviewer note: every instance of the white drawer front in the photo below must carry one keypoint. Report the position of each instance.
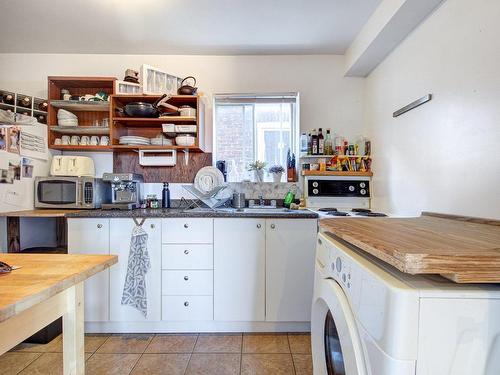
(187, 308)
(187, 283)
(187, 257)
(187, 230)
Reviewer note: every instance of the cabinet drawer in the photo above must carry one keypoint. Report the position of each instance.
(187, 308)
(187, 283)
(187, 230)
(187, 257)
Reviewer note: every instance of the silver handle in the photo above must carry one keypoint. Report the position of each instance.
(186, 252)
(258, 226)
(186, 303)
(99, 226)
(152, 226)
(186, 278)
(273, 226)
(186, 226)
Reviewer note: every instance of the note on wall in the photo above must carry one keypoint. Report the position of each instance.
(33, 142)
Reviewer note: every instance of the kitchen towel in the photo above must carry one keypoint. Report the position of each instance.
(134, 290)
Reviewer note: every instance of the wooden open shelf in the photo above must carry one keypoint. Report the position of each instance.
(141, 121)
(81, 106)
(152, 147)
(337, 173)
(80, 148)
(83, 130)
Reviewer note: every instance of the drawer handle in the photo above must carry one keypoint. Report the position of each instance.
(258, 226)
(186, 252)
(186, 303)
(186, 226)
(186, 278)
(152, 226)
(273, 226)
(99, 226)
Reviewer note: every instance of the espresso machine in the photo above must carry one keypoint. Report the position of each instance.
(125, 191)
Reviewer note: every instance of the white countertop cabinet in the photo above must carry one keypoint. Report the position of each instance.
(91, 236)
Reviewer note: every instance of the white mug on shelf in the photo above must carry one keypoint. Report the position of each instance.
(104, 140)
(84, 141)
(75, 140)
(58, 141)
(65, 140)
(94, 140)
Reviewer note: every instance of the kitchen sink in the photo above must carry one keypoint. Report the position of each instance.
(259, 210)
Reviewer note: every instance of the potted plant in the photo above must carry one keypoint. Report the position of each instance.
(258, 170)
(276, 171)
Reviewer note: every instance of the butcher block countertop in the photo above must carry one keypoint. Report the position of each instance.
(464, 250)
(42, 276)
(38, 213)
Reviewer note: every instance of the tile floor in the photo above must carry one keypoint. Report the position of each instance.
(172, 354)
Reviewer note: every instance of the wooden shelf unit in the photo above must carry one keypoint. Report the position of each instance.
(337, 173)
(87, 112)
(152, 126)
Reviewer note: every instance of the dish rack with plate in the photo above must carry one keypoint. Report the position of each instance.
(210, 198)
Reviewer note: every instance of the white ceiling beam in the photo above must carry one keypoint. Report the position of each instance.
(389, 25)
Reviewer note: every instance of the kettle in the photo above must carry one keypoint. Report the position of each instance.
(186, 89)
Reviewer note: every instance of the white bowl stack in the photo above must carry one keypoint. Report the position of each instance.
(66, 118)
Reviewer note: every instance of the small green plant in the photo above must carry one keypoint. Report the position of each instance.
(276, 169)
(257, 165)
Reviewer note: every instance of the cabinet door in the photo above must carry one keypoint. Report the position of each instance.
(239, 269)
(91, 236)
(120, 235)
(290, 249)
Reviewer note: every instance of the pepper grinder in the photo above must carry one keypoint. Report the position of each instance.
(165, 196)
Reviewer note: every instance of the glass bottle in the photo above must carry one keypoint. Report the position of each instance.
(314, 143)
(321, 142)
(328, 143)
(303, 142)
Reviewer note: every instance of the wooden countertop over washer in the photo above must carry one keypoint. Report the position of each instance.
(38, 213)
(462, 249)
(42, 276)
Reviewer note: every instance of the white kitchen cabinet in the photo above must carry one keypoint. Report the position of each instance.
(91, 236)
(239, 269)
(187, 230)
(290, 254)
(119, 244)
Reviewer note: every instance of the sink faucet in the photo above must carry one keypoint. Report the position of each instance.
(261, 200)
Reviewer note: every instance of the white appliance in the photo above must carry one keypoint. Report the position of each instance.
(337, 191)
(72, 166)
(370, 319)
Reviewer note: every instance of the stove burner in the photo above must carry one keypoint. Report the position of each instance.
(371, 214)
(327, 209)
(337, 213)
(361, 210)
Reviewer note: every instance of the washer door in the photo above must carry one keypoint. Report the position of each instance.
(336, 345)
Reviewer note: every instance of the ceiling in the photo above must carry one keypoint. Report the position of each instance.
(222, 27)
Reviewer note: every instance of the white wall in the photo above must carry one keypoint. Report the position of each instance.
(443, 156)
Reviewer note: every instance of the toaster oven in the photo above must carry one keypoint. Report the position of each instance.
(71, 192)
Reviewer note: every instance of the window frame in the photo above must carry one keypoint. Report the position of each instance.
(255, 98)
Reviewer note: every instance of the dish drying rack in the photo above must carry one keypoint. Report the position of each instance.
(208, 199)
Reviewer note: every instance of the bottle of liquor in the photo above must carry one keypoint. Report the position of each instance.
(43, 106)
(328, 143)
(321, 142)
(8, 98)
(314, 143)
(24, 101)
(309, 144)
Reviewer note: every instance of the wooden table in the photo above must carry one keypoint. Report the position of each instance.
(45, 288)
(462, 249)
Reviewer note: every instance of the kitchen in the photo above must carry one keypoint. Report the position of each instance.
(263, 306)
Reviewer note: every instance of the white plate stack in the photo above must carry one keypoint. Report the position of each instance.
(66, 118)
(134, 140)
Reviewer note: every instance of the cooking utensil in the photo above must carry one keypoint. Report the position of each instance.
(186, 89)
(185, 140)
(238, 200)
(141, 109)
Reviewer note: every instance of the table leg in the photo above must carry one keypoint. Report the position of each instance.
(73, 333)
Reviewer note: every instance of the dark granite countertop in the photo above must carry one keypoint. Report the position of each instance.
(195, 212)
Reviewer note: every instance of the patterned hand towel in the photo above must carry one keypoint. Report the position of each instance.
(134, 289)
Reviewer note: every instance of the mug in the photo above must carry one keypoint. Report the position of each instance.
(104, 140)
(57, 141)
(65, 139)
(94, 141)
(84, 141)
(75, 140)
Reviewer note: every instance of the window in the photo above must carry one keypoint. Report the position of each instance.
(254, 127)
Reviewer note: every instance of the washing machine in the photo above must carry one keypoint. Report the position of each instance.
(370, 319)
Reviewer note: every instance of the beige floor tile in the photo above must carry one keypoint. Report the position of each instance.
(13, 362)
(267, 364)
(214, 364)
(128, 343)
(300, 343)
(172, 343)
(303, 364)
(55, 346)
(161, 364)
(111, 364)
(218, 343)
(46, 364)
(94, 341)
(265, 343)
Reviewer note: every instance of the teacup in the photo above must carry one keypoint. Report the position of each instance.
(58, 141)
(75, 140)
(65, 140)
(84, 141)
(94, 141)
(104, 140)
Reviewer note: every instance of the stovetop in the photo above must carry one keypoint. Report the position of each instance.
(325, 212)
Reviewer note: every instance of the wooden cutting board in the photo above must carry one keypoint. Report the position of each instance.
(464, 250)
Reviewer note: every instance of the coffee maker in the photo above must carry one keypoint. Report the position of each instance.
(125, 190)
